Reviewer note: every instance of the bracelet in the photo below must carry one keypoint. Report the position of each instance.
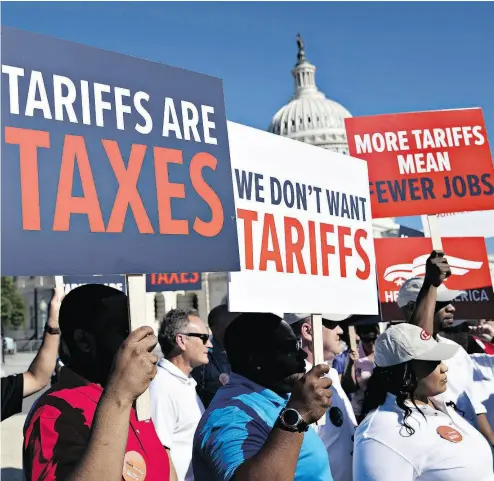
(52, 330)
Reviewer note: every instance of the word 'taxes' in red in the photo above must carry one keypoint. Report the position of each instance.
(175, 278)
(75, 152)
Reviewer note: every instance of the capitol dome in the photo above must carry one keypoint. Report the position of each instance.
(311, 117)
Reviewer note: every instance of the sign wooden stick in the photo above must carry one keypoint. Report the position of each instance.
(59, 288)
(136, 288)
(353, 338)
(317, 348)
(437, 243)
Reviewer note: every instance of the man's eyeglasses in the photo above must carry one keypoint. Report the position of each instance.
(289, 346)
(203, 337)
(329, 324)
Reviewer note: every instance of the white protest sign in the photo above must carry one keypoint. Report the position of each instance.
(304, 228)
(459, 224)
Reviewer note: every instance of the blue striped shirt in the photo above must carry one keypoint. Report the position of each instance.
(235, 427)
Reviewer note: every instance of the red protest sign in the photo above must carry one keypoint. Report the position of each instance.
(399, 259)
(174, 281)
(425, 162)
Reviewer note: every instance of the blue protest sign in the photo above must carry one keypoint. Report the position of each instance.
(111, 164)
(115, 281)
(175, 281)
(409, 232)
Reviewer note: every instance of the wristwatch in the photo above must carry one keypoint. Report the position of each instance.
(52, 330)
(293, 421)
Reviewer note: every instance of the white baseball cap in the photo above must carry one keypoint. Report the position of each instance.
(409, 292)
(294, 317)
(405, 342)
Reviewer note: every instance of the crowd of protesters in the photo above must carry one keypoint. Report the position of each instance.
(239, 398)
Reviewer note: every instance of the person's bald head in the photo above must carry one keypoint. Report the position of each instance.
(219, 319)
(94, 321)
(263, 348)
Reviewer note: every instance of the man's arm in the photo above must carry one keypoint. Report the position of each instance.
(436, 271)
(425, 306)
(105, 452)
(39, 373)
(277, 460)
(246, 454)
(236, 448)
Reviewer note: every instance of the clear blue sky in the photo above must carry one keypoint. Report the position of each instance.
(372, 57)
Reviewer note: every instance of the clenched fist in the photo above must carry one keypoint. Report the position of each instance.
(311, 395)
(437, 268)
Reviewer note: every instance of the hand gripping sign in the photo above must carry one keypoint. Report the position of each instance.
(400, 259)
(425, 162)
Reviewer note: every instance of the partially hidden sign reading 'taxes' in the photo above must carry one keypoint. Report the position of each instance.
(175, 281)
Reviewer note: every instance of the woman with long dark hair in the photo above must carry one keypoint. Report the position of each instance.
(410, 431)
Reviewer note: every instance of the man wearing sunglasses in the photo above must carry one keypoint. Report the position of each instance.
(337, 434)
(428, 303)
(175, 406)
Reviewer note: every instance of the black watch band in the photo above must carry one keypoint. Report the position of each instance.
(295, 425)
(52, 330)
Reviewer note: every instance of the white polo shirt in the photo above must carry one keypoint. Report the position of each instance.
(176, 411)
(338, 438)
(462, 388)
(385, 452)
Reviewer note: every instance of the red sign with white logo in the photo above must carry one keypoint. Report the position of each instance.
(399, 259)
(425, 162)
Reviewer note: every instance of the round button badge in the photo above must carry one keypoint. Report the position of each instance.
(449, 434)
(336, 416)
(224, 378)
(134, 467)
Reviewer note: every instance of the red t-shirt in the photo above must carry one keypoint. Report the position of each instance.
(58, 430)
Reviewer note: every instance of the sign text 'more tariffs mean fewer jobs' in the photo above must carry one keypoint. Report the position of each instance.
(425, 162)
(124, 161)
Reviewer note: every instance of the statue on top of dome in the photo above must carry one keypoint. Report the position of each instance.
(301, 51)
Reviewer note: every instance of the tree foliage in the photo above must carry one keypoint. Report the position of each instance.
(13, 309)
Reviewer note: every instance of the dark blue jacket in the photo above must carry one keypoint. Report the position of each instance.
(208, 376)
